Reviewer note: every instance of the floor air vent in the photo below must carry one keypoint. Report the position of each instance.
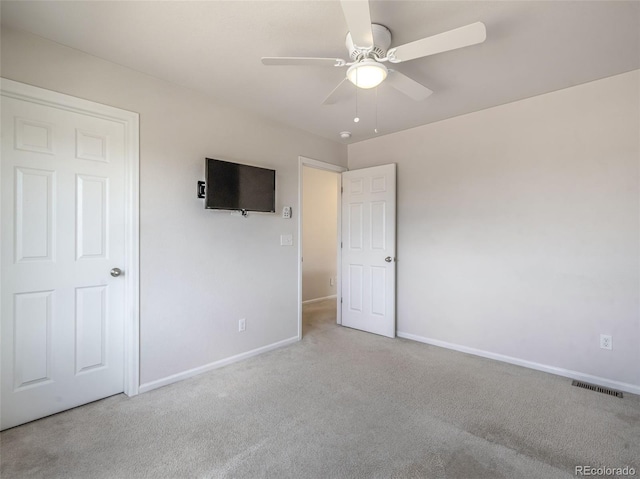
(598, 389)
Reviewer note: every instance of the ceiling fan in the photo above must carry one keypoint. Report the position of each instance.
(368, 45)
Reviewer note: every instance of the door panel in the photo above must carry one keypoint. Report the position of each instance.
(32, 331)
(34, 219)
(91, 322)
(378, 290)
(354, 232)
(62, 329)
(378, 226)
(355, 282)
(92, 223)
(368, 215)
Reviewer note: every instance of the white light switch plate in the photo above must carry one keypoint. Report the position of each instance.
(286, 240)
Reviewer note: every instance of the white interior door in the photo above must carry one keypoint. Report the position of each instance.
(369, 249)
(62, 329)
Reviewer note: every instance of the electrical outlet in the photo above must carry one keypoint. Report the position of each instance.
(286, 212)
(606, 342)
(242, 325)
(331, 281)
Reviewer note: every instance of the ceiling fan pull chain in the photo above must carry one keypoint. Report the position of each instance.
(375, 130)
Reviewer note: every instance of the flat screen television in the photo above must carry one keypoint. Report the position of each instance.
(233, 186)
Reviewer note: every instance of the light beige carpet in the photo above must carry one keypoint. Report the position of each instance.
(339, 404)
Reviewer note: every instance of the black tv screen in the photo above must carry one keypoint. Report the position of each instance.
(233, 186)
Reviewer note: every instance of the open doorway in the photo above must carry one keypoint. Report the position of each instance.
(319, 241)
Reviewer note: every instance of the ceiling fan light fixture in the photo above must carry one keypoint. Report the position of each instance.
(367, 73)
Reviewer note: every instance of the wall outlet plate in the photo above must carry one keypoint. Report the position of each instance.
(606, 342)
(242, 325)
(286, 212)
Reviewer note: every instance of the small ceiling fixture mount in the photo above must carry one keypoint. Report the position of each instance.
(345, 135)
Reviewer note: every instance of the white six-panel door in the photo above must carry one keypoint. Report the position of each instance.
(369, 249)
(63, 223)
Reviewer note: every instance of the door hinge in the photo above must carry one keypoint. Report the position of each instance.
(341, 189)
(340, 244)
(340, 300)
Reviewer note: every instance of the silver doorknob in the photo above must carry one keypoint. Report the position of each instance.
(115, 272)
(388, 259)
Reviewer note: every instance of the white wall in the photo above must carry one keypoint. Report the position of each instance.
(319, 232)
(201, 270)
(518, 228)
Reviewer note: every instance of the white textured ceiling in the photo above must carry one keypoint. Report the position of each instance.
(215, 47)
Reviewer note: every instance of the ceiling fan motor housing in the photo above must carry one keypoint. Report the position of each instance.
(381, 43)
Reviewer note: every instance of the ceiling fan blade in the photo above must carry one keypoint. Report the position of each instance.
(406, 85)
(341, 91)
(451, 40)
(358, 17)
(315, 62)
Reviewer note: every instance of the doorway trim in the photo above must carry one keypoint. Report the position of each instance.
(130, 122)
(319, 165)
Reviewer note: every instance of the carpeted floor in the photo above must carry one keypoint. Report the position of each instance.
(339, 404)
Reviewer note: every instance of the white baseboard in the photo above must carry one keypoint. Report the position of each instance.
(630, 388)
(317, 300)
(215, 365)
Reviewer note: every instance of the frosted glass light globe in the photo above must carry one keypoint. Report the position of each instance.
(367, 73)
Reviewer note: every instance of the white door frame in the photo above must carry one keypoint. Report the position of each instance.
(130, 122)
(320, 165)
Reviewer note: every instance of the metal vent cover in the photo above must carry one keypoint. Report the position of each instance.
(596, 388)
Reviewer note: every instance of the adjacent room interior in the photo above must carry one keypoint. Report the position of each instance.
(487, 190)
(320, 241)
